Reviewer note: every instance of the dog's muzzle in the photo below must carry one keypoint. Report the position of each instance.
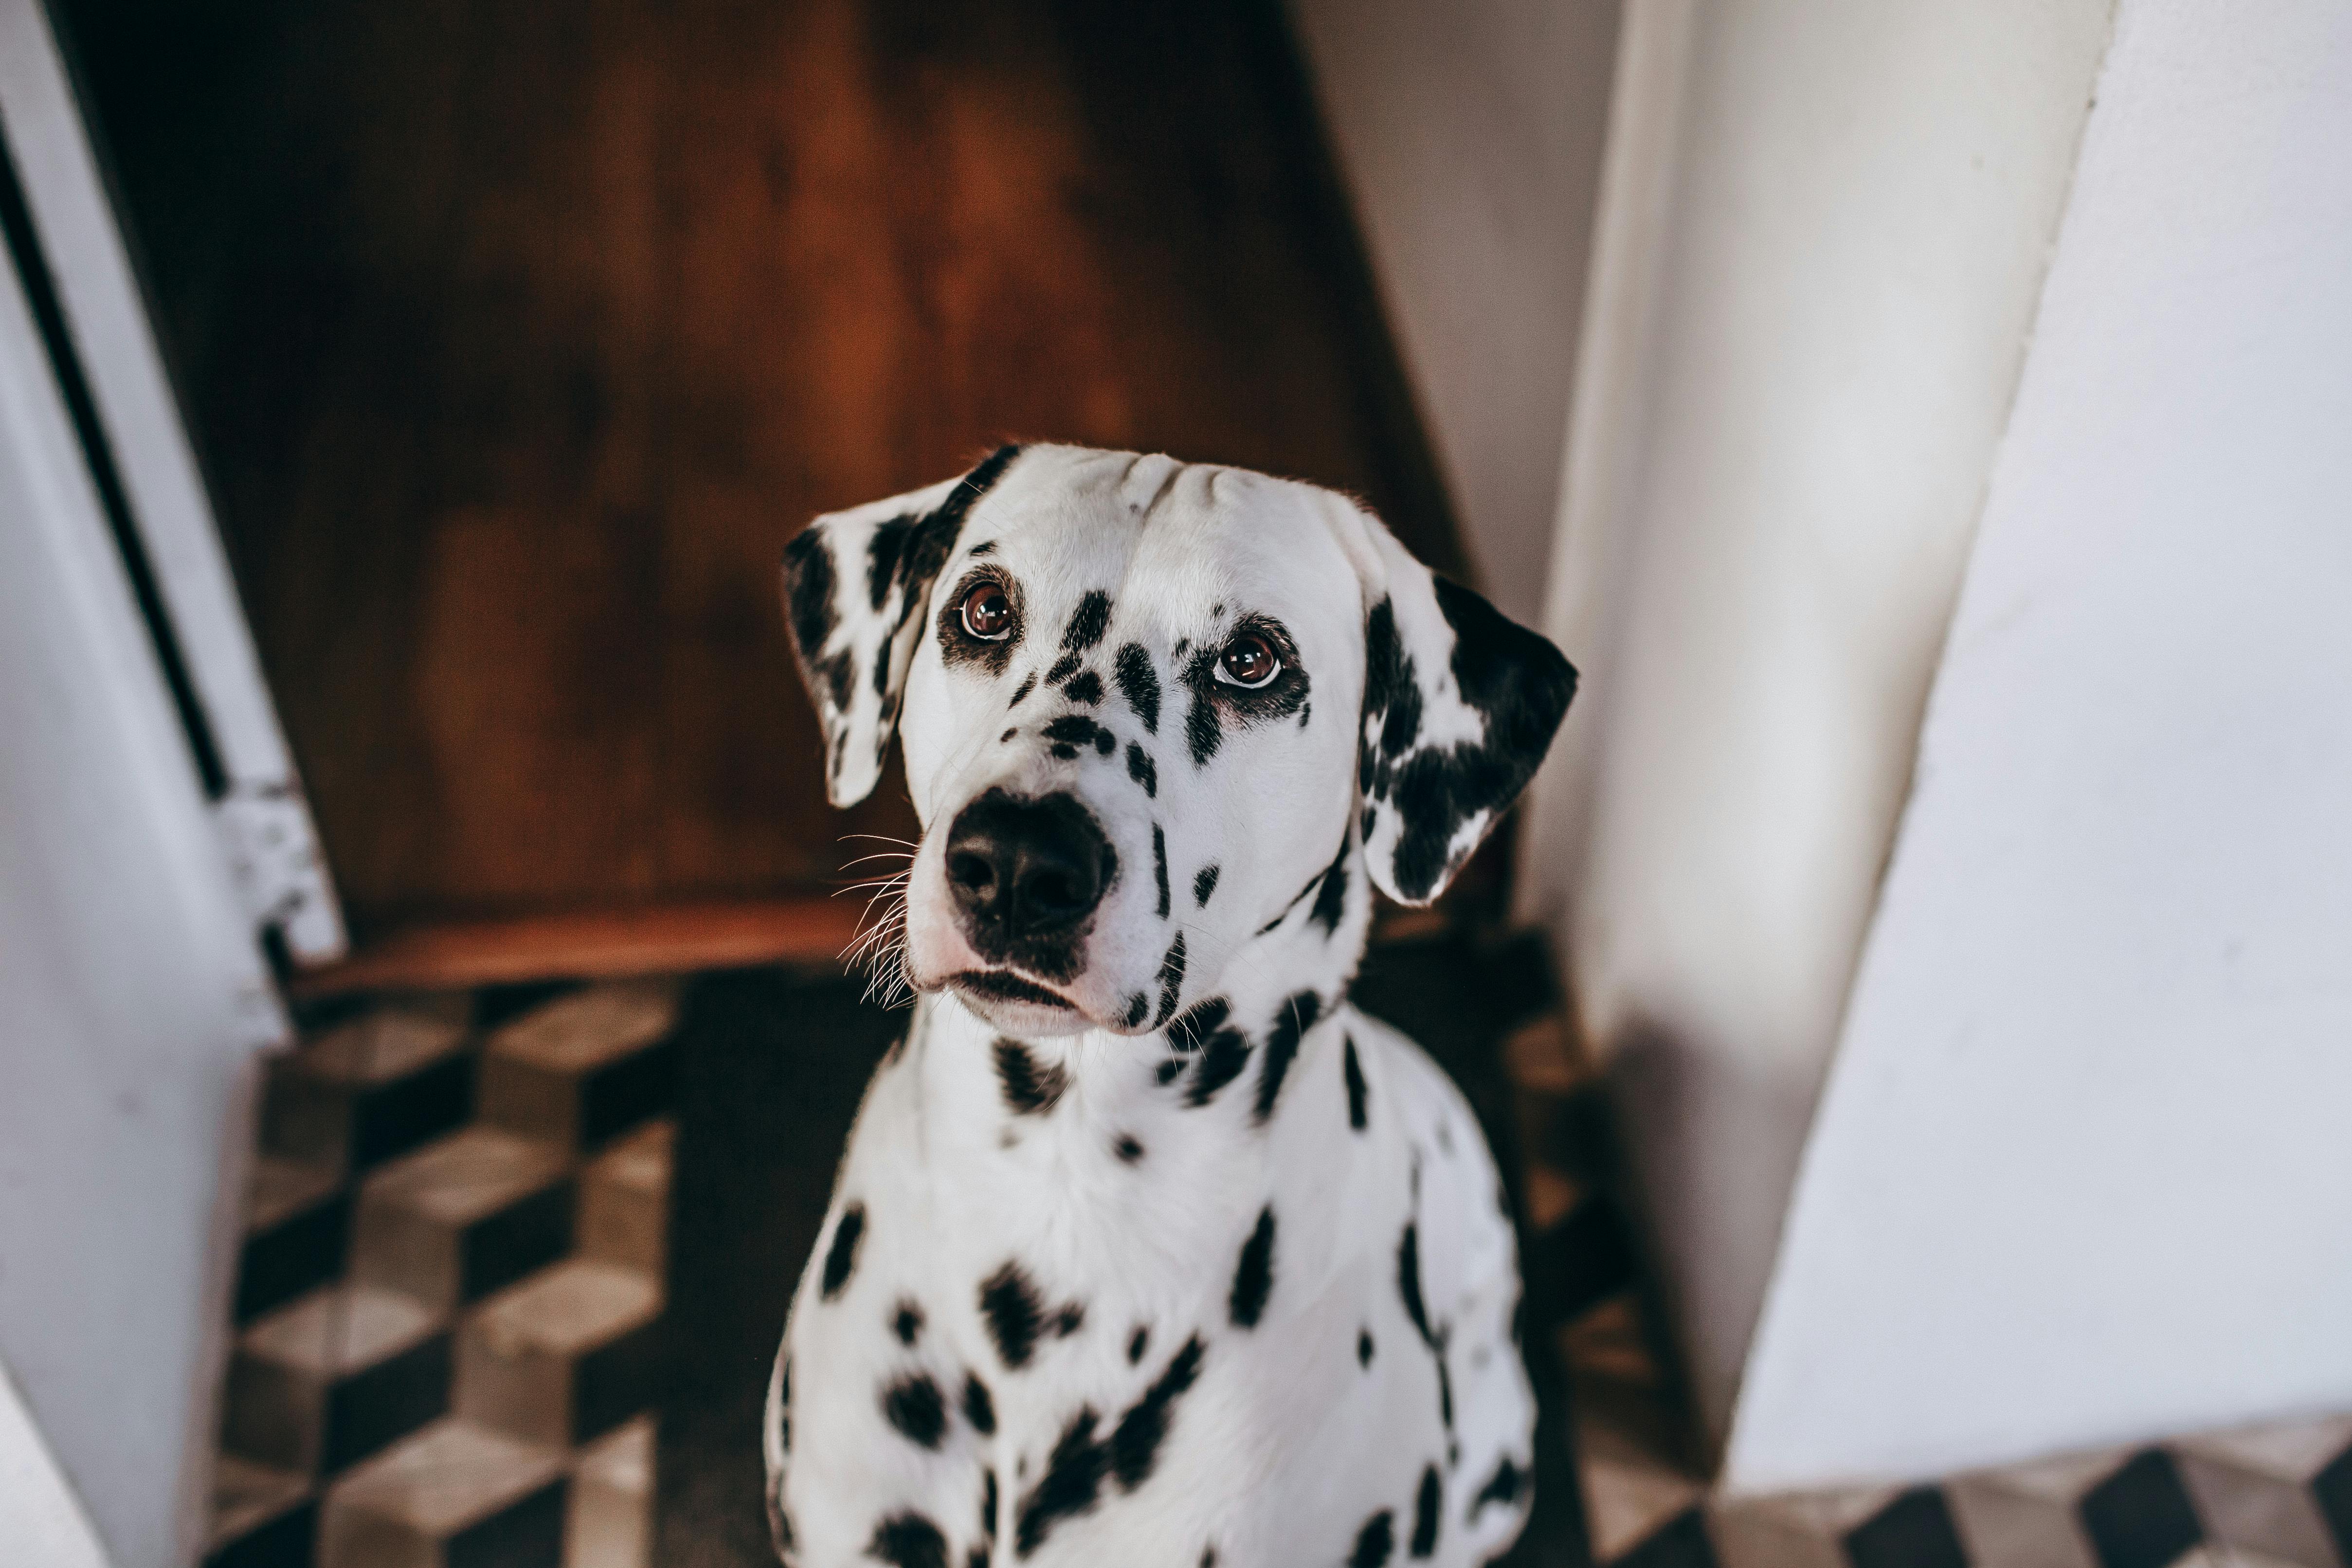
(1027, 876)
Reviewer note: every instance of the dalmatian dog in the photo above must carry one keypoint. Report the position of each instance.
(1148, 1249)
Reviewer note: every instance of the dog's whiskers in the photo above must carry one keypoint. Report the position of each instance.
(880, 948)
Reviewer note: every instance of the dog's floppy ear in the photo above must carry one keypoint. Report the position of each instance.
(1460, 703)
(858, 591)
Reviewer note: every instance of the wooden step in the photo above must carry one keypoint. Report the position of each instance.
(298, 1228)
(464, 1217)
(564, 1357)
(585, 1068)
(372, 1089)
(611, 1522)
(316, 1386)
(262, 1517)
(625, 1201)
(452, 1496)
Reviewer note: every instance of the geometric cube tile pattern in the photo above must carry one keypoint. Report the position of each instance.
(2277, 1497)
(449, 1303)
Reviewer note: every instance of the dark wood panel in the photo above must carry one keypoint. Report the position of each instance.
(520, 335)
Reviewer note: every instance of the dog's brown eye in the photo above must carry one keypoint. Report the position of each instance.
(987, 612)
(1248, 661)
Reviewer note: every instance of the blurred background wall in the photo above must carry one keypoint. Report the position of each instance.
(1822, 232)
(1470, 140)
(2080, 1174)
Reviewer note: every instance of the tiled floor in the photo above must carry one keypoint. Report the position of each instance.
(450, 1300)
(450, 1344)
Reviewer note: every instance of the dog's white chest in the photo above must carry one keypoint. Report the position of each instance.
(1094, 1315)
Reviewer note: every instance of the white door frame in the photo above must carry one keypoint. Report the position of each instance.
(263, 817)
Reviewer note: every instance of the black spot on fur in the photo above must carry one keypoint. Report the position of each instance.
(1028, 683)
(1031, 1087)
(1375, 1541)
(1064, 750)
(988, 1496)
(979, 1408)
(1363, 1347)
(1502, 1487)
(1208, 1557)
(1168, 1068)
(1009, 733)
(882, 670)
(1071, 1485)
(1517, 680)
(809, 585)
(1135, 1441)
(1425, 1508)
(1204, 730)
(1160, 866)
(1087, 622)
(908, 1322)
(1127, 1149)
(1409, 1283)
(1390, 689)
(882, 558)
(1138, 1345)
(1064, 668)
(1085, 686)
(985, 546)
(1353, 1073)
(1069, 1321)
(1305, 711)
(1313, 886)
(1140, 769)
(913, 1406)
(841, 1257)
(1223, 1056)
(1171, 979)
(1081, 1461)
(1015, 1314)
(1077, 729)
(908, 1540)
(1200, 1020)
(1204, 883)
(1139, 1007)
(1291, 1022)
(1139, 684)
(1254, 1275)
(1331, 898)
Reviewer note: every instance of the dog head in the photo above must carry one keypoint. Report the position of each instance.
(1148, 709)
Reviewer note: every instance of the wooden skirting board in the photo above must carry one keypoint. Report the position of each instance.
(670, 939)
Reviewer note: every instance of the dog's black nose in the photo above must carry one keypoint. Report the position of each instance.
(1026, 867)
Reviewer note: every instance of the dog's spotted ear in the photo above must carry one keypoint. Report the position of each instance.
(1460, 703)
(858, 591)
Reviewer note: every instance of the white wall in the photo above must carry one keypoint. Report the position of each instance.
(1469, 135)
(2083, 1171)
(39, 1516)
(132, 1001)
(1823, 233)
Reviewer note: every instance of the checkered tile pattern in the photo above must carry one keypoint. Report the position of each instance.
(2273, 1497)
(449, 1303)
